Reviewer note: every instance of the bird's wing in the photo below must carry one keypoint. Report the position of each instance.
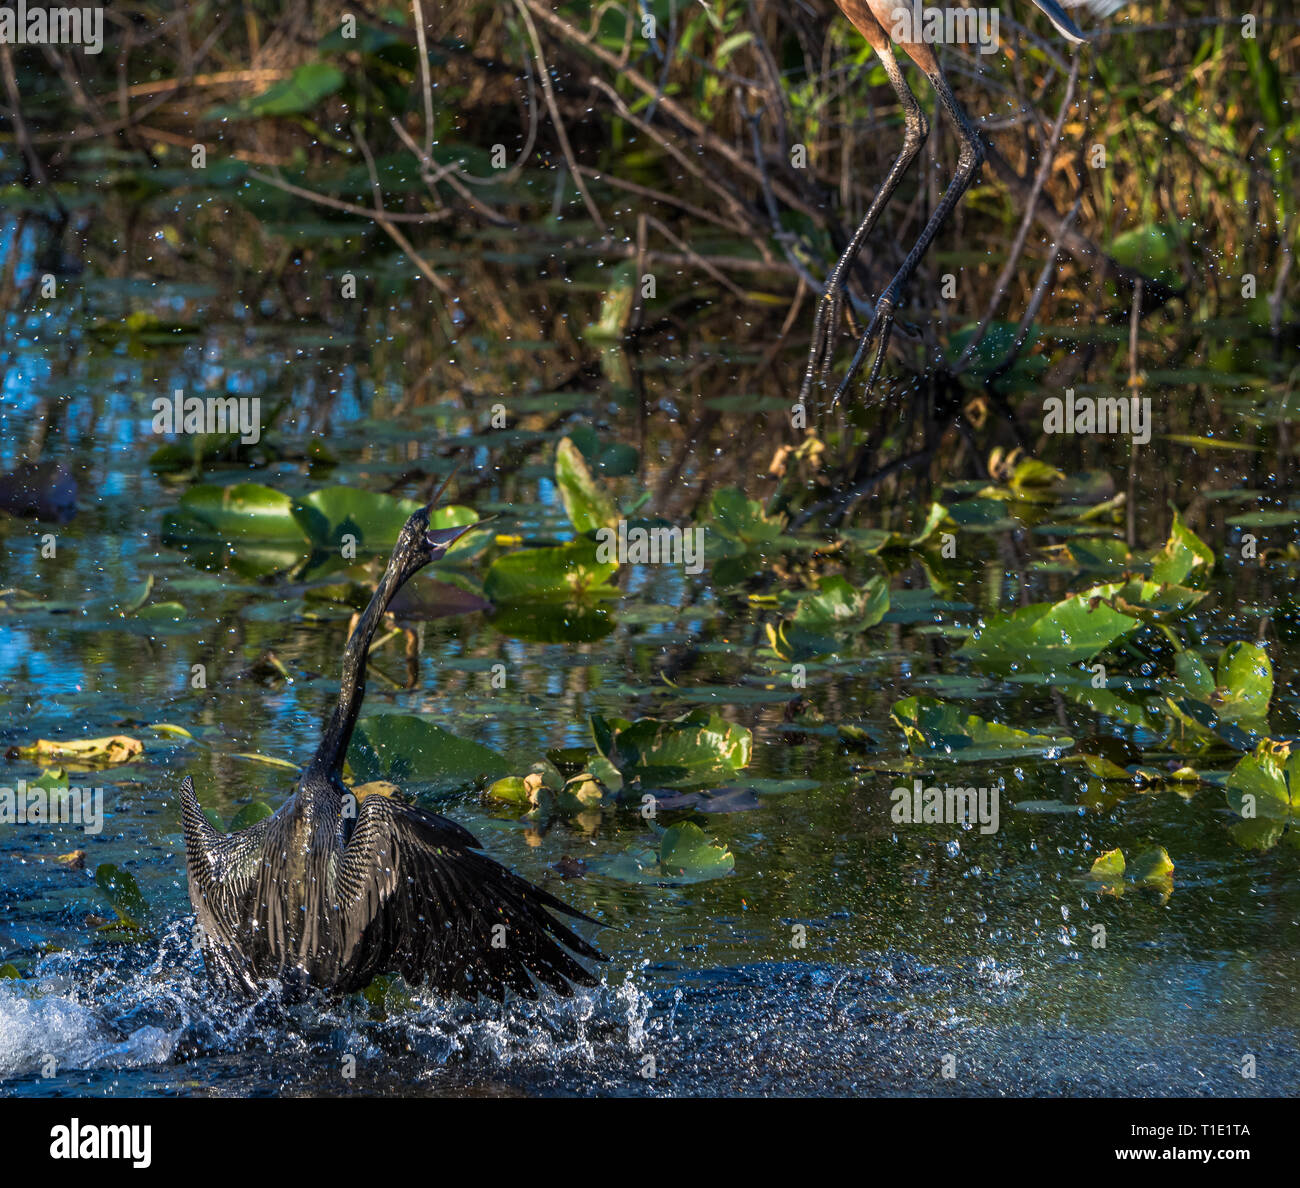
(415, 898)
(221, 867)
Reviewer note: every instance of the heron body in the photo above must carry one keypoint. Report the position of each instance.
(879, 22)
(329, 893)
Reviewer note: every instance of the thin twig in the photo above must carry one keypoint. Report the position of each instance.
(560, 131)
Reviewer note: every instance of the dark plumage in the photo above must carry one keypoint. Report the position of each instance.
(330, 893)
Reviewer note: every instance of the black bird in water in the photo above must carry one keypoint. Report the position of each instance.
(330, 893)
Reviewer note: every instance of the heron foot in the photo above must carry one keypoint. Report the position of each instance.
(878, 331)
(825, 328)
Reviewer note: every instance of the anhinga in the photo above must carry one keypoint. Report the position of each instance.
(330, 893)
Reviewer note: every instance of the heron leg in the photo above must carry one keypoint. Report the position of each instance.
(829, 308)
(882, 319)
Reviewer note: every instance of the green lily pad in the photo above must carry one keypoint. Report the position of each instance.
(560, 572)
(935, 728)
(684, 855)
(837, 609)
(742, 524)
(407, 749)
(1109, 868)
(373, 519)
(245, 511)
(1233, 704)
(839, 606)
(1048, 636)
(1153, 867)
(1265, 785)
(1245, 677)
(698, 748)
(250, 814)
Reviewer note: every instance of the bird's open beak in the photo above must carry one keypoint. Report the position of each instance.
(441, 539)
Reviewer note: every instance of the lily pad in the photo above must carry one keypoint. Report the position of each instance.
(696, 749)
(560, 572)
(684, 855)
(408, 749)
(935, 728)
(741, 524)
(1109, 868)
(373, 519)
(1265, 785)
(1049, 636)
(837, 609)
(250, 814)
(245, 511)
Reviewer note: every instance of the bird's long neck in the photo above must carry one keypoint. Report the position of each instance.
(337, 735)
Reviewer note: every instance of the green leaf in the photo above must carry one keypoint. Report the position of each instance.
(166, 612)
(245, 511)
(1245, 675)
(685, 851)
(698, 748)
(1109, 868)
(1261, 788)
(839, 607)
(741, 521)
(405, 748)
(836, 610)
(123, 893)
(1194, 674)
(375, 520)
(935, 728)
(684, 855)
(1101, 555)
(296, 95)
(1049, 636)
(250, 814)
(587, 505)
(1184, 556)
(511, 790)
(560, 572)
(1153, 867)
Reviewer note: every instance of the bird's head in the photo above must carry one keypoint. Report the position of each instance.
(418, 544)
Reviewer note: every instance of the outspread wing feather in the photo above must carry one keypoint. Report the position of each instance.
(416, 897)
(221, 869)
